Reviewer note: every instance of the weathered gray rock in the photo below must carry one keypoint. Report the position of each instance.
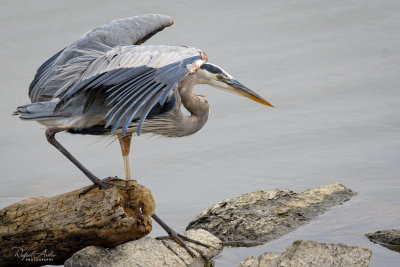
(266, 259)
(268, 214)
(149, 252)
(312, 253)
(389, 238)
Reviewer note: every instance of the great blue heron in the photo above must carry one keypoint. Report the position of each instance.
(107, 83)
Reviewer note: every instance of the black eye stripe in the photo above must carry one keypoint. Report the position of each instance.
(211, 69)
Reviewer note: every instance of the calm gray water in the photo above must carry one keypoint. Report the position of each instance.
(331, 68)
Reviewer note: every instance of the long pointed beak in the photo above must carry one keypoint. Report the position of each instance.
(239, 88)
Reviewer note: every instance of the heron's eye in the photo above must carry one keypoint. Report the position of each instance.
(219, 77)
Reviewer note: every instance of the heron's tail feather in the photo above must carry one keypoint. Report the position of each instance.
(38, 111)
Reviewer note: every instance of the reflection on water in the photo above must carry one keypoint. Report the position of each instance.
(330, 68)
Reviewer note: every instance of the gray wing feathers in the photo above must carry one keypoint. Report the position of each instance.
(107, 61)
(135, 79)
(142, 97)
(133, 30)
(42, 70)
(117, 66)
(39, 111)
(128, 31)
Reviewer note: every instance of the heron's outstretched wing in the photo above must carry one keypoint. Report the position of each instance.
(44, 68)
(129, 31)
(134, 79)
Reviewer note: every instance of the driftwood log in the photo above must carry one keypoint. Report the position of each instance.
(48, 230)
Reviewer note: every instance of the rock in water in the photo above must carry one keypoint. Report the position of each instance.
(304, 253)
(389, 238)
(149, 252)
(268, 214)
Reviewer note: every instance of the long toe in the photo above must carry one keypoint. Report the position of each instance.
(105, 184)
(93, 186)
(100, 184)
(193, 241)
(178, 240)
(118, 185)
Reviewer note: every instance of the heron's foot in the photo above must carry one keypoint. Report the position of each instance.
(104, 183)
(178, 238)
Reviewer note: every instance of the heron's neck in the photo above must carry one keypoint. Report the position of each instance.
(196, 105)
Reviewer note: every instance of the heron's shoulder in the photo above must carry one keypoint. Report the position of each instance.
(159, 50)
(153, 56)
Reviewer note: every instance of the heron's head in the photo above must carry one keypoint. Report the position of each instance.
(219, 78)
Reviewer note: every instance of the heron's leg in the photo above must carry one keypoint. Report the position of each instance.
(178, 238)
(50, 135)
(125, 142)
